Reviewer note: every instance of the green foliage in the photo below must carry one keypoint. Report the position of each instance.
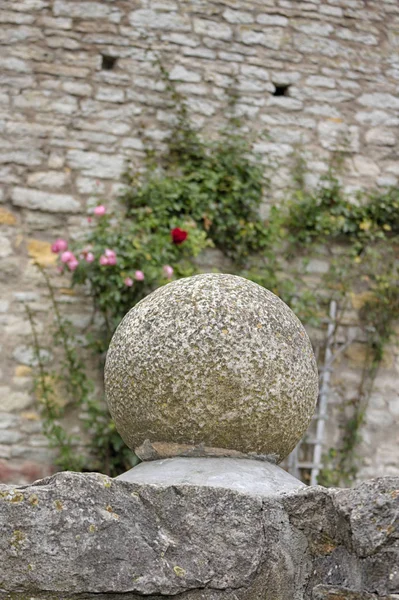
(142, 242)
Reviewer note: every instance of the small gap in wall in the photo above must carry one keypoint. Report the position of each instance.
(108, 62)
(281, 90)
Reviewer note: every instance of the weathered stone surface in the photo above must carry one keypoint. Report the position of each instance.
(87, 536)
(37, 200)
(251, 477)
(215, 360)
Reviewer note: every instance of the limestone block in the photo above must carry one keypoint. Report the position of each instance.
(86, 10)
(10, 400)
(48, 179)
(214, 29)
(158, 20)
(180, 73)
(5, 247)
(46, 201)
(279, 20)
(61, 538)
(237, 16)
(379, 136)
(93, 164)
(379, 100)
(212, 360)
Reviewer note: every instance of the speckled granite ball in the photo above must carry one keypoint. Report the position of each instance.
(213, 360)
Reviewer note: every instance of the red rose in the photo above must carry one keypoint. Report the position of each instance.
(178, 235)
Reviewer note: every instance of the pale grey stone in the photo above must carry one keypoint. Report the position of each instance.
(94, 164)
(333, 11)
(270, 38)
(221, 345)
(257, 72)
(26, 356)
(9, 437)
(251, 477)
(315, 28)
(285, 102)
(279, 20)
(320, 81)
(26, 157)
(87, 10)
(338, 136)
(48, 179)
(195, 541)
(11, 400)
(379, 100)
(110, 94)
(159, 20)
(386, 181)
(46, 201)
(77, 88)
(377, 117)
(5, 247)
(55, 23)
(213, 29)
(379, 136)
(237, 16)
(8, 420)
(366, 166)
(356, 36)
(180, 73)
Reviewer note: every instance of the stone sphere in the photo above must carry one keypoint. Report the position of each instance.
(213, 360)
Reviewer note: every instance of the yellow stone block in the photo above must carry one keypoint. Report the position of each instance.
(6, 217)
(22, 371)
(359, 300)
(30, 416)
(41, 252)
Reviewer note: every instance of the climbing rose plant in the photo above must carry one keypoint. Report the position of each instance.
(123, 259)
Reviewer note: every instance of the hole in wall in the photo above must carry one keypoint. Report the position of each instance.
(281, 90)
(108, 62)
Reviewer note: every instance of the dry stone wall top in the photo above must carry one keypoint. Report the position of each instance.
(78, 86)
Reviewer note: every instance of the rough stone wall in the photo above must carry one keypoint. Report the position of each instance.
(79, 84)
(88, 537)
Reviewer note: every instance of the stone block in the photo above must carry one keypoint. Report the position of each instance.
(86, 10)
(199, 540)
(237, 16)
(7, 217)
(40, 252)
(45, 201)
(11, 400)
(48, 179)
(93, 164)
(157, 20)
(180, 73)
(213, 29)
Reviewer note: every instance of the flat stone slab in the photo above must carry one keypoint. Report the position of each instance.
(251, 477)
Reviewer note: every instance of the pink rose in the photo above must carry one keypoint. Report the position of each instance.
(67, 256)
(89, 257)
(59, 245)
(100, 210)
(111, 260)
(109, 253)
(139, 275)
(128, 282)
(168, 271)
(103, 260)
(72, 264)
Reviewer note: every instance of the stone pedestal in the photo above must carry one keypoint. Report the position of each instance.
(250, 477)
